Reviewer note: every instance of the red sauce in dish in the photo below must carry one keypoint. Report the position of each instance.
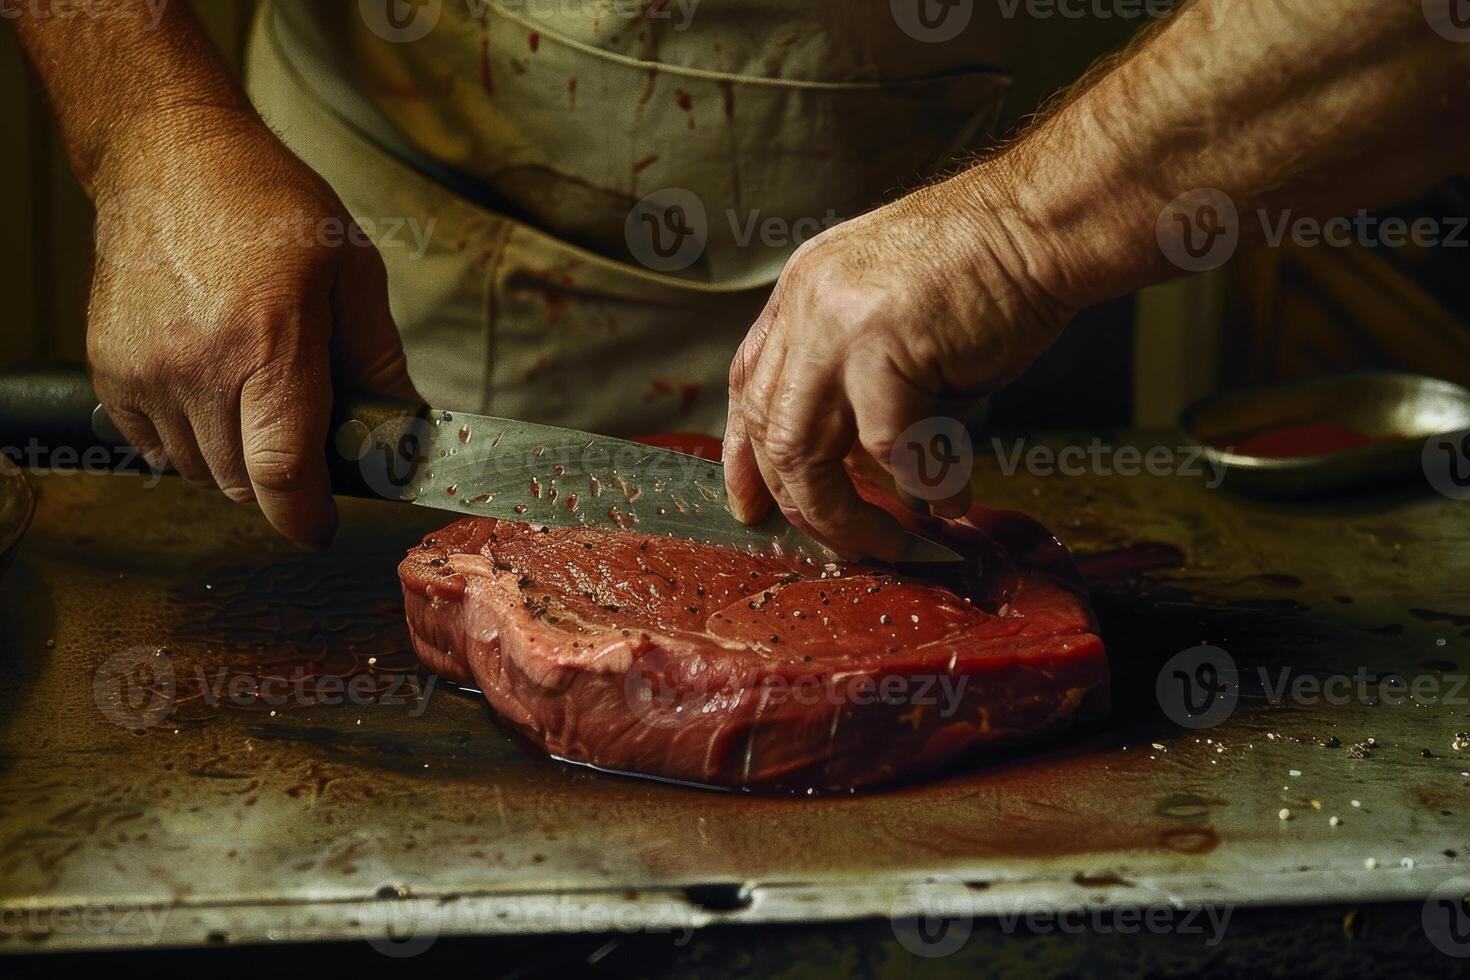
(1301, 441)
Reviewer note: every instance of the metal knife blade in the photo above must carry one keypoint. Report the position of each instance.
(504, 468)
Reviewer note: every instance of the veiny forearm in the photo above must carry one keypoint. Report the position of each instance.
(124, 76)
(1320, 106)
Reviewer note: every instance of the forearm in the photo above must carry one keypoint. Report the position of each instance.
(125, 77)
(1320, 106)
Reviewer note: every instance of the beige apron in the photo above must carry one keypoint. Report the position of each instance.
(498, 152)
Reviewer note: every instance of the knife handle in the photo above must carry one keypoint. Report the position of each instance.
(50, 418)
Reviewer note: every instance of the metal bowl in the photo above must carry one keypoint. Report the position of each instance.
(17, 505)
(1401, 411)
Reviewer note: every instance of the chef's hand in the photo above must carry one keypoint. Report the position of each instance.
(874, 325)
(231, 290)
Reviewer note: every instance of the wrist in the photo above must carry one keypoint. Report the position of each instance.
(145, 142)
(1083, 215)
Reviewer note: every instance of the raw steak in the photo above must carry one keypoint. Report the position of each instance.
(710, 666)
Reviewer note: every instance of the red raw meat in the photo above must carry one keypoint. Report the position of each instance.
(707, 665)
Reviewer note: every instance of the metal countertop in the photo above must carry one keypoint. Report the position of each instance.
(277, 820)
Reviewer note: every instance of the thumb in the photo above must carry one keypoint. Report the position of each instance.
(367, 352)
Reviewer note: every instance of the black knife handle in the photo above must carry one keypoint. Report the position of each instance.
(49, 417)
(46, 407)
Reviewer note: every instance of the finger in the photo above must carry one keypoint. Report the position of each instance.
(810, 432)
(367, 347)
(217, 430)
(181, 448)
(746, 490)
(283, 423)
(886, 406)
(138, 431)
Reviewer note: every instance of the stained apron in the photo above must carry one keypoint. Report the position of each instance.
(496, 160)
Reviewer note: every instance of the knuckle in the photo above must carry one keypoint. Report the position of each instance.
(787, 445)
(740, 370)
(809, 258)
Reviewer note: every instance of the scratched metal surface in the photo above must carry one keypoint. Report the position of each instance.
(279, 821)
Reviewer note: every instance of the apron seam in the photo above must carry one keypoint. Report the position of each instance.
(685, 71)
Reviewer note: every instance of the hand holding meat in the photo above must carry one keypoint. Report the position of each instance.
(875, 325)
(1271, 110)
(231, 286)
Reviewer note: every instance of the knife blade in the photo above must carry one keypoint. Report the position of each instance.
(506, 468)
(455, 462)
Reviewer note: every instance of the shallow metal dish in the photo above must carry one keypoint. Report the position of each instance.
(17, 504)
(1405, 410)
